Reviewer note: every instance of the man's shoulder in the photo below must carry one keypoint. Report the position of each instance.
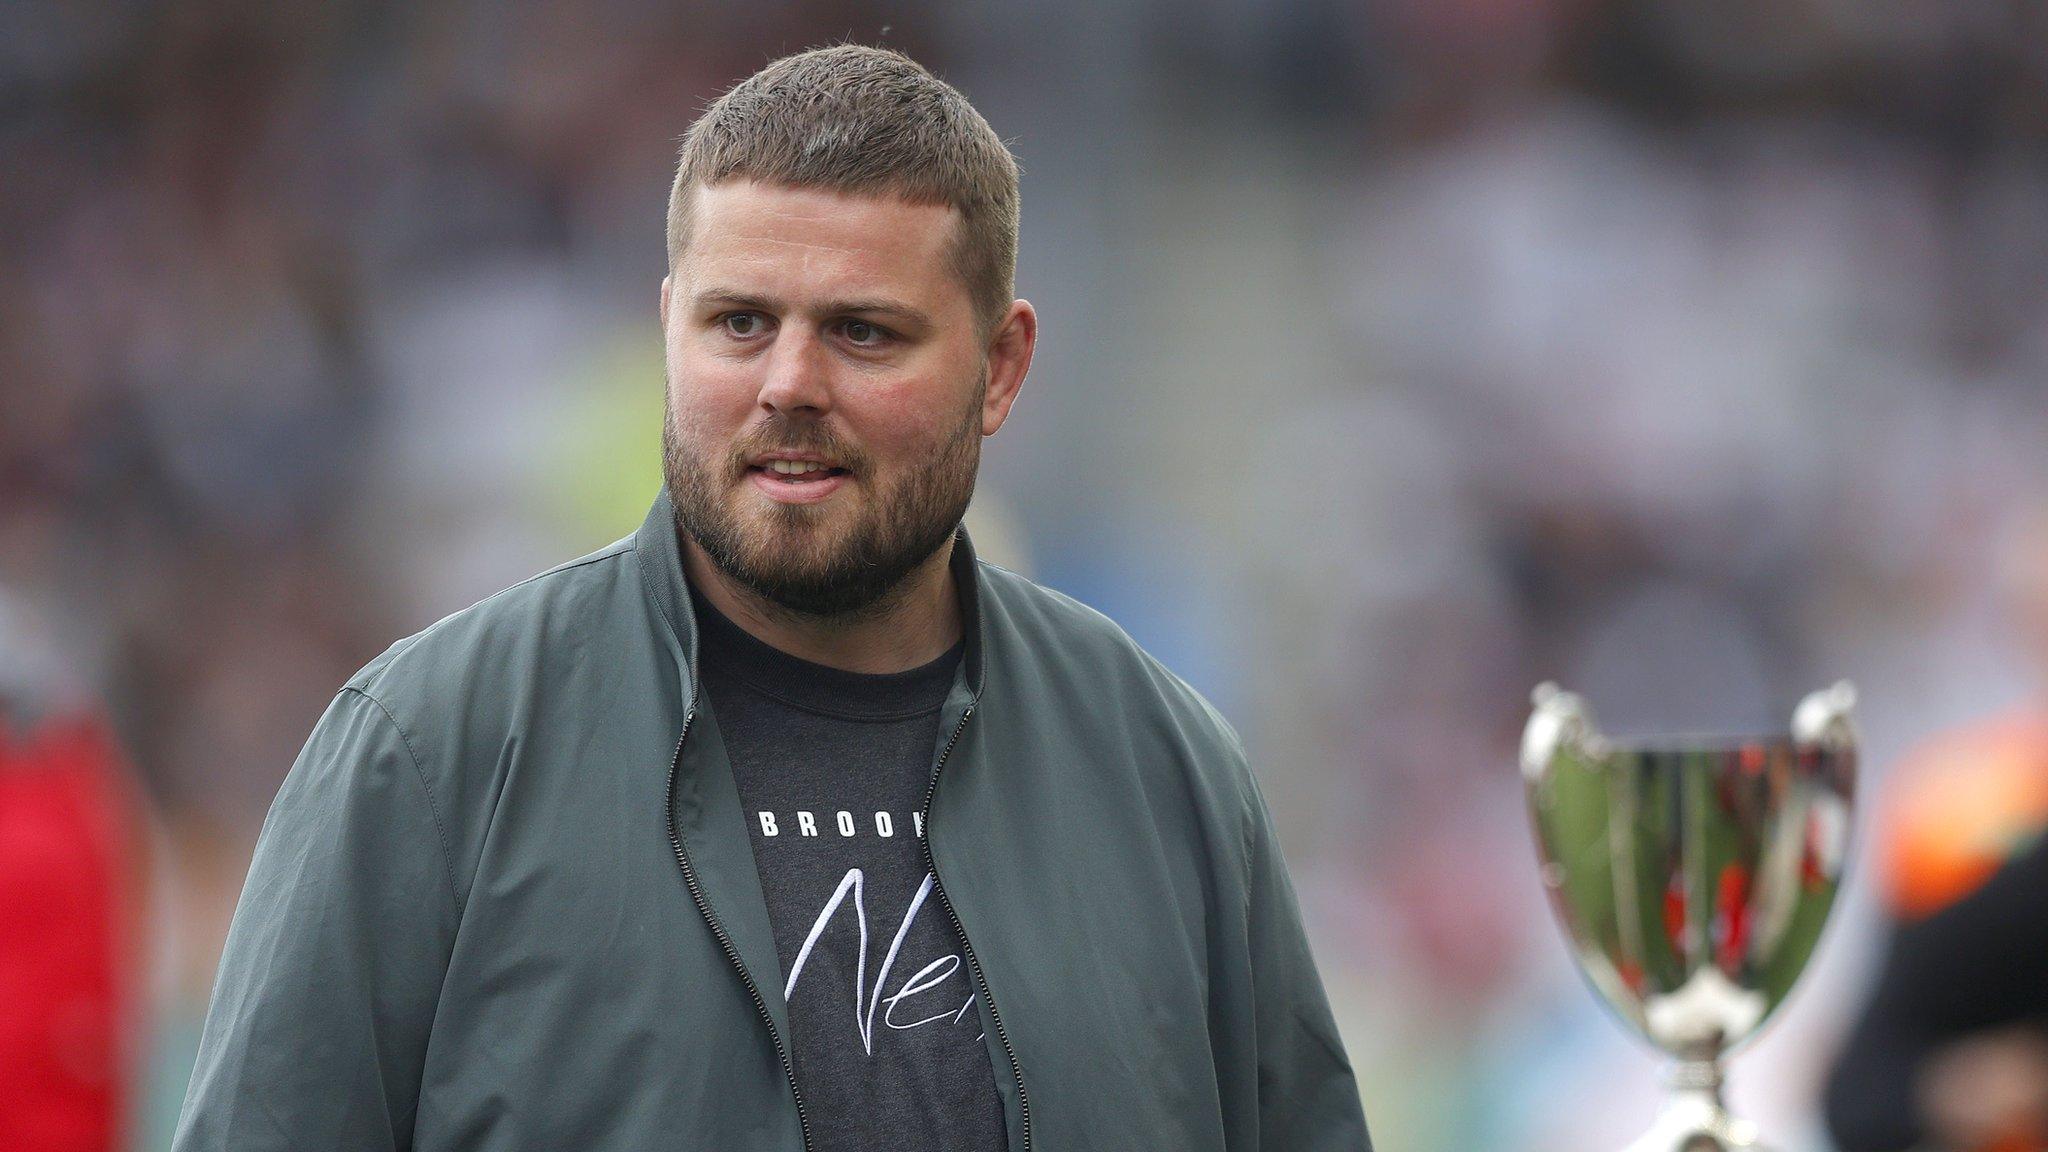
(1022, 603)
(509, 629)
(1085, 646)
(522, 670)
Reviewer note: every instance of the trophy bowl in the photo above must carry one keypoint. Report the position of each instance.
(1692, 877)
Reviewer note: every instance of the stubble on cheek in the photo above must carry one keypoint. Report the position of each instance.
(714, 506)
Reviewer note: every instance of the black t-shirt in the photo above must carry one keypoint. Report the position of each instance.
(831, 765)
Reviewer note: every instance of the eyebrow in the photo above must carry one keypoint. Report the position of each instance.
(876, 307)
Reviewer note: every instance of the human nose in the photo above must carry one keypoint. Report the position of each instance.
(799, 375)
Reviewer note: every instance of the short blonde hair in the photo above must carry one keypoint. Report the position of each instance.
(863, 121)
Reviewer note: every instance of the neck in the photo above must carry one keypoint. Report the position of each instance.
(912, 626)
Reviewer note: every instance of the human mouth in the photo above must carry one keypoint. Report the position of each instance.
(789, 481)
(800, 469)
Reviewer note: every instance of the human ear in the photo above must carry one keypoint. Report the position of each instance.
(1009, 358)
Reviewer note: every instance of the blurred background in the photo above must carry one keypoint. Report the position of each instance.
(1397, 354)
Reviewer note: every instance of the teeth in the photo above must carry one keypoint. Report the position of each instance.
(796, 467)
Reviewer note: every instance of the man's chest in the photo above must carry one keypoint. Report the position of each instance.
(585, 946)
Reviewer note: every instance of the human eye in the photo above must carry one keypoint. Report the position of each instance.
(863, 334)
(743, 325)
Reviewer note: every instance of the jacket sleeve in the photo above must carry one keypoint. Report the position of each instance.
(1308, 1096)
(317, 1029)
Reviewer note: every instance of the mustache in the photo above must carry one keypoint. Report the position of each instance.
(780, 433)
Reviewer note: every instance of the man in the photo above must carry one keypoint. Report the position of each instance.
(1950, 1049)
(71, 866)
(784, 823)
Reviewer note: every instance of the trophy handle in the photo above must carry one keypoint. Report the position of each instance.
(1561, 720)
(1824, 717)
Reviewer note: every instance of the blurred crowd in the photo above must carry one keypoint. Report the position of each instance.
(1398, 354)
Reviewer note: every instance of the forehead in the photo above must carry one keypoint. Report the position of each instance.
(808, 241)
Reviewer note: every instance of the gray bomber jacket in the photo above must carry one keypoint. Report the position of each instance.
(505, 899)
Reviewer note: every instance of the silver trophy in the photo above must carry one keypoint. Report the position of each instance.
(1692, 878)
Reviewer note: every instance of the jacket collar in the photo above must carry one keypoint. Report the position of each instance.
(659, 549)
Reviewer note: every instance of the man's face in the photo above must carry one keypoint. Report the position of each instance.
(812, 329)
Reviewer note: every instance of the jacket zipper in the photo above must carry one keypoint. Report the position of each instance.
(981, 981)
(675, 840)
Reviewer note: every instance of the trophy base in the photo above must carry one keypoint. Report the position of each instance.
(1693, 1118)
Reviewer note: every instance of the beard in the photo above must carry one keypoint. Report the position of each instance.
(817, 560)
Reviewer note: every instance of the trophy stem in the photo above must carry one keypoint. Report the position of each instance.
(1693, 1118)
